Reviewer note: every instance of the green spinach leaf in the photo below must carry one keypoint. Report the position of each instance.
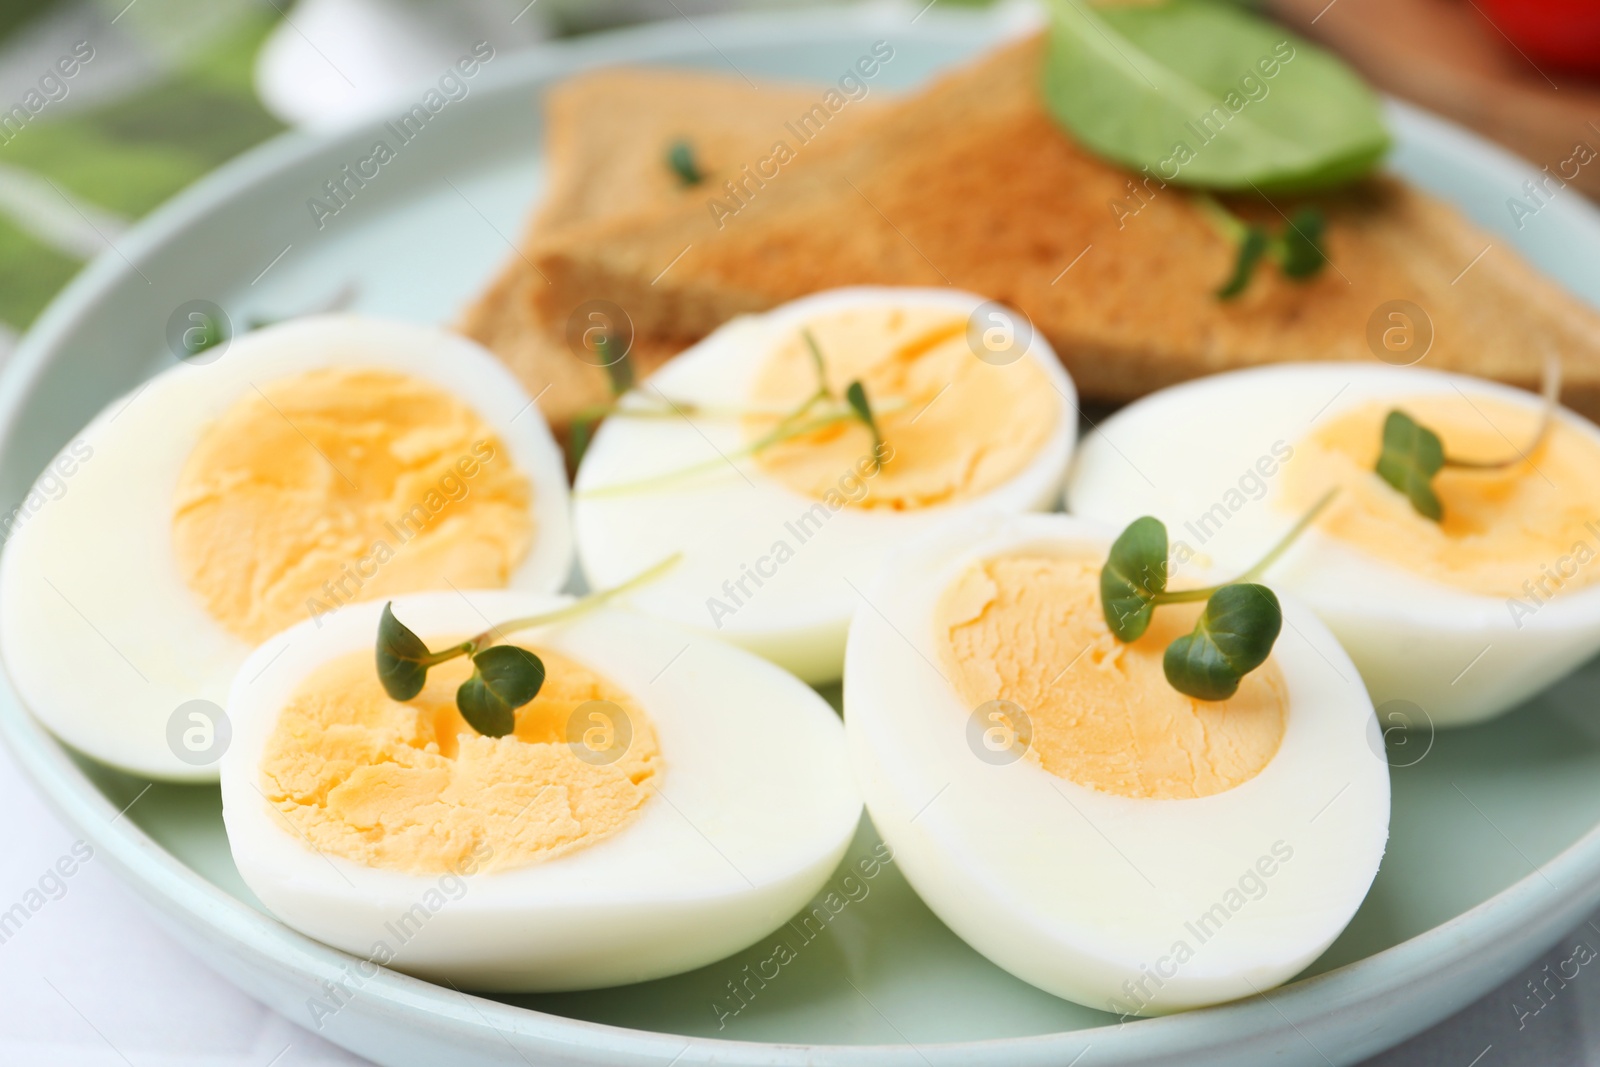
(1207, 95)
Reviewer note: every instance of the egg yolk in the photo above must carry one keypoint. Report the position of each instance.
(1535, 523)
(344, 484)
(1028, 629)
(411, 787)
(954, 425)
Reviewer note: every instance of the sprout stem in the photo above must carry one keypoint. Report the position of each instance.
(1551, 392)
(1184, 596)
(577, 607)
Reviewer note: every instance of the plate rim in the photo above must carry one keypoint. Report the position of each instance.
(1417, 982)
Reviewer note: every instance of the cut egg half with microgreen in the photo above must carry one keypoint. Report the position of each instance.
(302, 469)
(1460, 585)
(662, 801)
(789, 454)
(1073, 816)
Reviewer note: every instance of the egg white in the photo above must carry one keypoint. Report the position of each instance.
(729, 521)
(1459, 657)
(754, 809)
(1078, 891)
(100, 633)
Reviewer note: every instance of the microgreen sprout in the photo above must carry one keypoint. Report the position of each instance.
(821, 409)
(1412, 454)
(504, 677)
(680, 157)
(822, 393)
(1297, 248)
(856, 396)
(1235, 632)
(619, 374)
(619, 371)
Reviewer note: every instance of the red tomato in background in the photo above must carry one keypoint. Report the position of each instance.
(1560, 33)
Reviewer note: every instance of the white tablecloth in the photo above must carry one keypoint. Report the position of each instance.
(89, 981)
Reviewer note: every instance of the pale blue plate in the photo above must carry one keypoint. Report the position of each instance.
(1493, 853)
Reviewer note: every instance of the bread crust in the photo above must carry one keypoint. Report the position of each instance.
(971, 183)
(607, 135)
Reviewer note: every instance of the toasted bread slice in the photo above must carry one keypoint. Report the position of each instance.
(607, 137)
(609, 131)
(502, 319)
(972, 184)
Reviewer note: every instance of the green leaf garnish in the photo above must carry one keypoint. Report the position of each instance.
(680, 157)
(403, 659)
(504, 677)
(1135, 574)
(1300, 253)
(816, 362)
(1296, 248)
(1249, 103)
(820, 395)
(818, 411)
(1412, 454)
(855, 395)
(580, 431)
(1233, 636)
(619, 371)
(1252, 248)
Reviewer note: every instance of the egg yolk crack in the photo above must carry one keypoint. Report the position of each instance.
(1028, 628)
(1502, 528)
(955, 426)
(411, 787)
(342, 484)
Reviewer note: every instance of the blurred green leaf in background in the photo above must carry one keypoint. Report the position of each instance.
(167, 96)
(176, 87)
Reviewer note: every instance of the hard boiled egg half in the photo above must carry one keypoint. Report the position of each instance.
(974, 412)
(1071, 815)
(663, 801)
(310, 466)
(1451, 620)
